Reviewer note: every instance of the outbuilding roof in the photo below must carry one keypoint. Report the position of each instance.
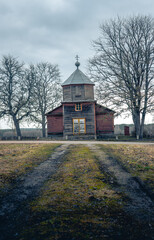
(77, 77)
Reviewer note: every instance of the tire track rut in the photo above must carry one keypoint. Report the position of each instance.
(14, 210)
(139, 204)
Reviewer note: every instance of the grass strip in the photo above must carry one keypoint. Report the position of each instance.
(17, 159)
(137, 159)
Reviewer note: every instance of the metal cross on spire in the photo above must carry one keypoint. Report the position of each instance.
(77, 64)
(77, 58)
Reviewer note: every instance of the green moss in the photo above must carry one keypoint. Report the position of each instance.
(79, 203)
(76, 202)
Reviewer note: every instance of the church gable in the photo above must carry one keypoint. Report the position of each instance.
(55, 121)
(104, 120)
(101, 109)
(56, 111)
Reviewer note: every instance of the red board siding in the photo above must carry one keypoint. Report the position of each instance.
(100, 122)
(58, 111)
(55, 124)
(105, 123)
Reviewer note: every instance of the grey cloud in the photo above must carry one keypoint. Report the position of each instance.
(38, 26)
(57, 30)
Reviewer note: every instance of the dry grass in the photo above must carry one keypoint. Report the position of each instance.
(78, 203)
(16, 159)
(77, 180)
(138, 159)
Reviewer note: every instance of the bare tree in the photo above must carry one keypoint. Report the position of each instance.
(123, 66)
(47, 92)
(16, 87)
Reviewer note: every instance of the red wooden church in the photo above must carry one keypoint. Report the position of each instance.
(79, 115)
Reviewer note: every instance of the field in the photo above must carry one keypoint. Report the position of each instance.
(17, 159)
(137, 159)
(81, 199)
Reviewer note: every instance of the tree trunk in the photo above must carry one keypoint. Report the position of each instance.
(142, 124)
(43, 127)
(17, 127)
(136, 120)
(144, 112)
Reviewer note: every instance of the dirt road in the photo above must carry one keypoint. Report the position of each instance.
(79, 142)
(14, 212)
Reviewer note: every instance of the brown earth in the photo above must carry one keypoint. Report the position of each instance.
(80, 142)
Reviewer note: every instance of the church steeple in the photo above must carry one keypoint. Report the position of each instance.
(77, 77)
(78, 87)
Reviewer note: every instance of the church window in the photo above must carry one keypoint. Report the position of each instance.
(78, 107)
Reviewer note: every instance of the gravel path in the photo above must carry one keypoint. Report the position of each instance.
(14, 207)
(139, 204)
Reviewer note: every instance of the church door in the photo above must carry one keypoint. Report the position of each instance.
(79, 126)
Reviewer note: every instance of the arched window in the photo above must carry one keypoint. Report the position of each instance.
(78, 107)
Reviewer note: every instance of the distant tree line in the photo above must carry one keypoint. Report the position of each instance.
(27, 93)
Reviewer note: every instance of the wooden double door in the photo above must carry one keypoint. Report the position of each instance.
(79, 125)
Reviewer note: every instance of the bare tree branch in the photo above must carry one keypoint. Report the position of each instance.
(15, 91)
(123, 66)
(47, 92)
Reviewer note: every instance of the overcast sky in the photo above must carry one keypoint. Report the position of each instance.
(56, 30)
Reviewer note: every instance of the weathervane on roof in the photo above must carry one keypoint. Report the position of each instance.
(77, 64)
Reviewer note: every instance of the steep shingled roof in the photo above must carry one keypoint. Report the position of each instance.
(77, 77)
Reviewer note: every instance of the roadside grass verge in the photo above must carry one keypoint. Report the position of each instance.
(137, 159)
(17, 159)
(77, 203)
